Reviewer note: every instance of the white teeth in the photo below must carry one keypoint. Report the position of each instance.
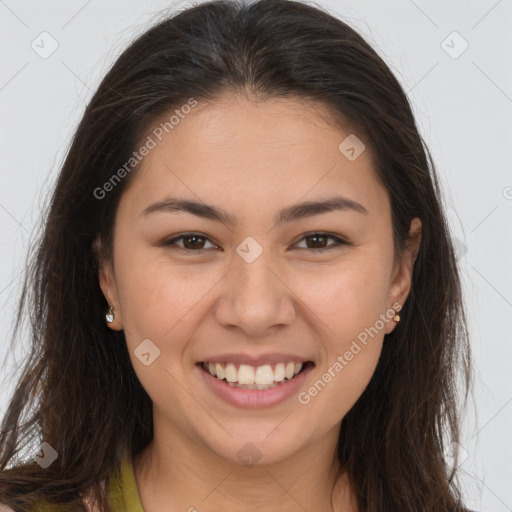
(219, 371)
(254, 377)
(264, 386)
(231, 373)
(264, 375)
(290, 369)
(245, 374)
(253, 386)
(279, 373)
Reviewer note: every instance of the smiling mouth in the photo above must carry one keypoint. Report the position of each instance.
(245, 376)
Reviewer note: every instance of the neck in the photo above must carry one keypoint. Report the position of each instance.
(176, 473)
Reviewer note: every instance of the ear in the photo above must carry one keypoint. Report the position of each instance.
(108, 285)
(401, 280)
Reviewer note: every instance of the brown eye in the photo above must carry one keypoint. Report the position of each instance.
(195, 242)
(191, 242)
(319, 240)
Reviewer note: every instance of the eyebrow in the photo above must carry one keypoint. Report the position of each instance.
(289, 214)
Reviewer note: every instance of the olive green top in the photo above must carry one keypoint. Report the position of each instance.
(123, 495)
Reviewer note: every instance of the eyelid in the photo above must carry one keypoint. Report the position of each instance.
(340, 240)
(170, 242)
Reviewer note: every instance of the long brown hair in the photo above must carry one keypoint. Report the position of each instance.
(78, 391)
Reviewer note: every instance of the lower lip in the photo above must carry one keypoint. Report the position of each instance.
(254, 398)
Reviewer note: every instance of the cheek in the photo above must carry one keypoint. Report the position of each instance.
(154, 301)
(160, 300)
(345, 298)
(158, 304)
(350, 358)
(343, 381)
(349, 304)
(164, 302)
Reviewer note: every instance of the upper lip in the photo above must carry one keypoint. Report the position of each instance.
(253, 360)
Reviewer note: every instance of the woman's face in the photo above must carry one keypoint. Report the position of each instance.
(262, 282)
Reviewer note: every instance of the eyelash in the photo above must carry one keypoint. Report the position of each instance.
(339, 241)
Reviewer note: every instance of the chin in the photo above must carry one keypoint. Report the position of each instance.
(248, 445)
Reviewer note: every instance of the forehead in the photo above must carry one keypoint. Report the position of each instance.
(242, 152)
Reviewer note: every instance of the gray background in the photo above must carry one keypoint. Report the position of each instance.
(462, 101)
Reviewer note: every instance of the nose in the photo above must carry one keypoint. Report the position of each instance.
(255, 298)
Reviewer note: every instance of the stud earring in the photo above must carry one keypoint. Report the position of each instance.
(396, 318)
(109, 317)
